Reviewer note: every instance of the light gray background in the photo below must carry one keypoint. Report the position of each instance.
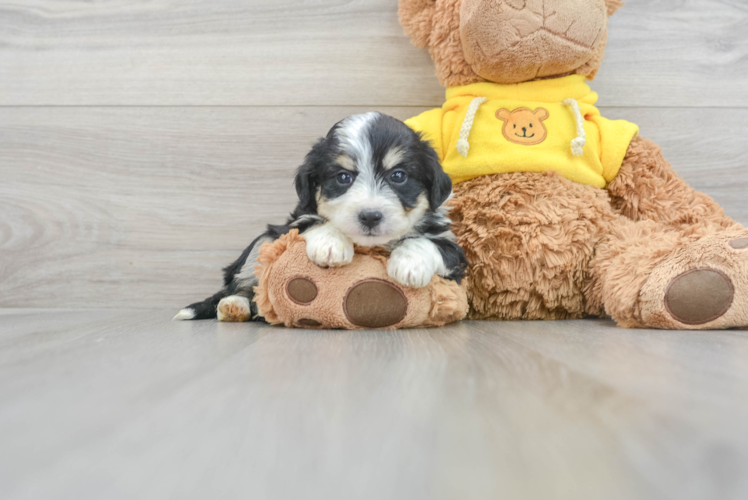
(143, 143)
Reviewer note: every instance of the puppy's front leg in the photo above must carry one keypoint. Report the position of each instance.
(415, 261)
(326, 246)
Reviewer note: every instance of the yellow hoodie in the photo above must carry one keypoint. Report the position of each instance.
(487, 128)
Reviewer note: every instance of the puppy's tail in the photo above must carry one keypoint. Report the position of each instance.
(207, 309)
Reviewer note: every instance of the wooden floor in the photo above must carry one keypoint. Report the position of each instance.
(143, 145)
(127, 404)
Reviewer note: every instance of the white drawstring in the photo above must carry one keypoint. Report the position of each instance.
(463, 146)
(577, 145)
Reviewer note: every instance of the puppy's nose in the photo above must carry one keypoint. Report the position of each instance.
(370, 218)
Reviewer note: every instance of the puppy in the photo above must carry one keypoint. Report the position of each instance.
(371, 181)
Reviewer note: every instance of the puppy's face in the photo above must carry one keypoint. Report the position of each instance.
(373, 178)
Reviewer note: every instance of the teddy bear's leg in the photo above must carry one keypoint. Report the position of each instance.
(646, 274)
(702, 286)
(682, 265)
(647, 188)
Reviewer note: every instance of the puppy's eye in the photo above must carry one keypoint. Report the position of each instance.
(531, 125)
(515, 125)
(344, 178)
(398, 177)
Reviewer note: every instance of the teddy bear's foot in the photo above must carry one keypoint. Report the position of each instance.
(295, 292)
(370, 303)
(702, 287)
(234, 309)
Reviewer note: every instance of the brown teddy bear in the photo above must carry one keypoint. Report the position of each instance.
(563, 213)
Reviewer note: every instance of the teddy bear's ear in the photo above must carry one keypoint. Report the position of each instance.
(541, 113)
(416, 18)
(613, 6)
(503, 114)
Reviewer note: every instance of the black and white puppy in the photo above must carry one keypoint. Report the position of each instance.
(372, 182)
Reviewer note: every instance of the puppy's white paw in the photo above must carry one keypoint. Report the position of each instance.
(328, 247)
(409, 269)
(234, 309)
(414, 262)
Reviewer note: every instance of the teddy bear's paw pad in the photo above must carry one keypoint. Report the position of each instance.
(302, 291)
(699, 296)
(739, 243)
(374, 303)
(233, 309)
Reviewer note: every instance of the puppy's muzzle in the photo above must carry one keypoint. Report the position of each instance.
(370, 218)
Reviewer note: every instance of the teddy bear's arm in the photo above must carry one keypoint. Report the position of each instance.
(647, 188)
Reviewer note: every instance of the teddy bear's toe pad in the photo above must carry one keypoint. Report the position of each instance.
(739, 243)
(301, 290)
(375, 303)
(699, 296)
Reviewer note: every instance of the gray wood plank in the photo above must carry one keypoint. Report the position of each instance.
(141, 207)
(328, 52)
(126, 404)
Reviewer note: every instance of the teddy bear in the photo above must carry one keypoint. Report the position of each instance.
(563, 213)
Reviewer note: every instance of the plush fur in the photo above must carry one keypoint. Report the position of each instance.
(436, 25)
(546, 40)
(543, 247)
(529, 250)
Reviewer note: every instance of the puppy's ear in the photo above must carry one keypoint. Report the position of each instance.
(439, 184)
(306, 180)
(441, 190)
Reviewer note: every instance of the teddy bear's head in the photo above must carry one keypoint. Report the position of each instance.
(509, 41)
